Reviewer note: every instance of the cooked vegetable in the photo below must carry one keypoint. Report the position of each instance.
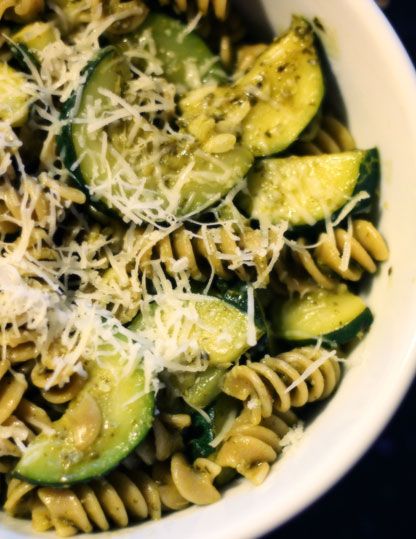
(200, 434)
(102, 425)
(270, 106)
(305, 190)
(211, 177)
(15, 96)
(186, 59)
(221, 330)
(336, 317)
(31, 39)
(199, 389)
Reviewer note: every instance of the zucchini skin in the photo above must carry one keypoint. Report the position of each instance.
(83, 480)
(55, 460)
(335, 317)
(367, 179)
(350, 331)
(341, 336)
(21, 54)
(65, 144)
(29, 40)
(236, 295)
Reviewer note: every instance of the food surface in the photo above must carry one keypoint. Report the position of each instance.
(185, 223)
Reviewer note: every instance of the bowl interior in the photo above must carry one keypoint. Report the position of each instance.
(378, 86)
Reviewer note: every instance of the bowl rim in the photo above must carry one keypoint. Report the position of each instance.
(266, 520)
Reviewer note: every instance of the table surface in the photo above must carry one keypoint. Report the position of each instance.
(375, 499)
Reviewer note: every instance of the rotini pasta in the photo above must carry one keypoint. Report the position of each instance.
(19, 418)
(21, 10)
(276, 383)
(223, 251)
(325, 264)
(251, 448)
(367, 246)
(219, 7)
(116, 500)
(329, 136)
(165, 439)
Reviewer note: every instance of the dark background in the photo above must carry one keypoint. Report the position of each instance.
(378, 497)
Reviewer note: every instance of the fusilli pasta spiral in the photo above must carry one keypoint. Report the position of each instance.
(366, 244)
(42, 200)
(300, 270)
(219, 250)
(117, 499)
(331, 136)
(19, 418)
(165, 438)
(250, 448)
(21, 10)
(276, 383)
(219, 7)
(63, 389)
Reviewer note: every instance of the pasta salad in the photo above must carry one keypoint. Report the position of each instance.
(185, 224)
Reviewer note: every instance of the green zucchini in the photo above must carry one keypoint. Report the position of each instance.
(15, 97)
(30, 40)
(221, 329)
(101, 426)
(305, 190)
(336, 317)
(272, 104)
(199, 389)
(83, 156)
(186, 60)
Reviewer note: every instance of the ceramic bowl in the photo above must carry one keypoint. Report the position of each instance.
(379, 88)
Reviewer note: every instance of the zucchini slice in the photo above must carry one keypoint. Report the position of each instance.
(200, 389)
(15, 99)
(272, 104)
(108, 181)
(336, 317)
(305, 190)
(186, 60)
(220, 328)
(80, 150)
(100, 427)
(30, 40)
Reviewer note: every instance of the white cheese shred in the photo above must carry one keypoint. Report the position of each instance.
(324, 356)
(251, 325)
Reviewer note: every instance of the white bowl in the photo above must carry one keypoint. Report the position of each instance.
(379, 87)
